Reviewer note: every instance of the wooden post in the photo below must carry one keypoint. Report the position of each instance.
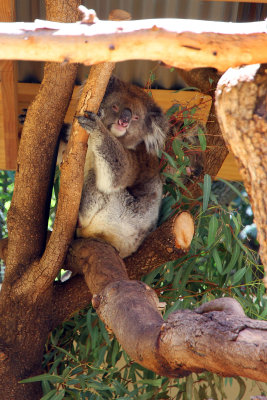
(8, 99)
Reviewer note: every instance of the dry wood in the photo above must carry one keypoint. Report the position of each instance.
(9, 111)
(182, 43)
(183, 230)
(242, 112)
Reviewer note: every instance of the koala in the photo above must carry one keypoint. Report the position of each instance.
(122, 188)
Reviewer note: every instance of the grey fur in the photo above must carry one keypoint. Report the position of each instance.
(122, 188)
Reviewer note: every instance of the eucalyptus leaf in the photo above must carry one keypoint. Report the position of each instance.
(233, 260)
(206, 191)
(213, 226)
(66, 353)
(238, 276)
(218, 261)
(44, 377)
(172, 110)
(170, 160)
(242, 388)
(202, 139)
(49, 395)
(152, 382)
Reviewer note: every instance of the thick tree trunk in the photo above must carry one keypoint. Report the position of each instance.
(242, 112)
(26, 306)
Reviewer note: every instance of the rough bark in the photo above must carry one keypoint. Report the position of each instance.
(217, 336)
(161, 246)
(181, 43)
(25, 309)
(242, 111)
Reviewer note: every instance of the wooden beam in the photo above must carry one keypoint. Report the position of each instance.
(165, 98)
(8, 99)
(181, 43)
(243, 1)
(229, 170)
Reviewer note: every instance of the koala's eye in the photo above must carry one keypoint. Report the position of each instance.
(115, 108)
(135, 117)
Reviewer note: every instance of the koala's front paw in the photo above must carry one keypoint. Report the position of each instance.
(88, 121)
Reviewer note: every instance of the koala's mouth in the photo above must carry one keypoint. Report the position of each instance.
(119, 128)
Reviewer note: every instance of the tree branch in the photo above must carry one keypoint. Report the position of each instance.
(72, 176)
(241, 107)
(181, 43)
(68, 298)
(224, 342)
(168, 242)
(34, 176)
(71, 181)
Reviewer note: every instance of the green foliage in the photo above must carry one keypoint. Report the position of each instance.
(7, 187)
(6, 191)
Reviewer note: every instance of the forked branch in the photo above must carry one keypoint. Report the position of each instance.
(217, 336)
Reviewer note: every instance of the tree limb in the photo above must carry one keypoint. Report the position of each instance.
(223, 342)
(162, 246)
(242, 112)
(68, 298)
(34, 176)
(72, 175)
(181, 43)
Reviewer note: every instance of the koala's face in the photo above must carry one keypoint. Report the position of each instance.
(132, 116)
(124, 116)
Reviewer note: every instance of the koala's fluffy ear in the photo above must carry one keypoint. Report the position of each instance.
(157, 128)
(113, 84)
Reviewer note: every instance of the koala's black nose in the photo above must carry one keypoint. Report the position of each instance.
(126, 115)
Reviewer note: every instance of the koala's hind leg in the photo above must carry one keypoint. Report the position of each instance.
(115, 166)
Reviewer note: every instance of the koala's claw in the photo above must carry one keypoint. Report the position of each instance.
(90, 115)
(88, 120)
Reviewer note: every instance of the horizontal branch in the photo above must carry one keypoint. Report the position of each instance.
(217, 337)
(182, 43)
